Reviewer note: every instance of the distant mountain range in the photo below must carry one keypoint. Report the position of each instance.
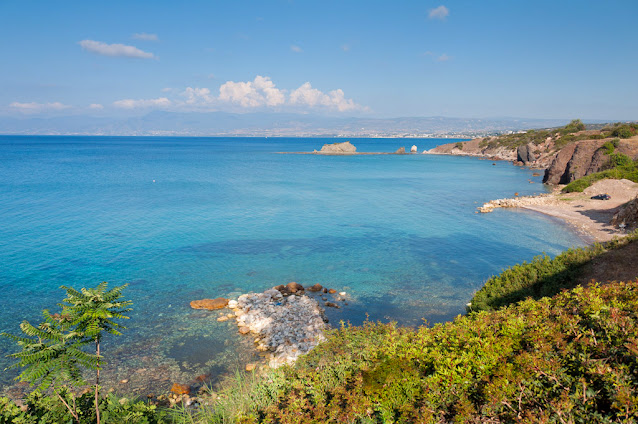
(268, 124)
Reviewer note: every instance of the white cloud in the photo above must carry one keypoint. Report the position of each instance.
(440, 12)
(142, 103)
(114, 50)
(335, 99)
(166, 89)
(296, 49)
(146, 37)
(443, 58)
(345, 47)
(260, 92)
(96, 106)
(198, 96)
(34, 107)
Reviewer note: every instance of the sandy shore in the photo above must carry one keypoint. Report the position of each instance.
(588, 216)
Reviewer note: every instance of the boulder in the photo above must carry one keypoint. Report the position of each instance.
(400, 151)
(294, 287)
(317, 287)
(332, 305)
(244, 330)
(210, 304)
(413, 149)
(332, 291)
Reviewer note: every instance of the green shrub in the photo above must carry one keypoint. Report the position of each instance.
(459, 145)
(624, 131)
(573, 356)
(610, 146)
(541, 277)
(43, 409)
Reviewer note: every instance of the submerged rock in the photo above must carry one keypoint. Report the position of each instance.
(210, 304)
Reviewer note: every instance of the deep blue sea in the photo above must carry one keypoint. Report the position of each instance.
(189, 218)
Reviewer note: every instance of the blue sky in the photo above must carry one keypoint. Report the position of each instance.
(533, 59)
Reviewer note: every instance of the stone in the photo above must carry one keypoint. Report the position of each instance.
(223, 318)
(317, 287)
(332, 291)
(180, 389)
(209, 304)
(250, 367)
(332, 305)
(325, 290)
(342, 293)
(294, 287)
(413, 149)
(244, 330)
(232, 304)
(400, 151)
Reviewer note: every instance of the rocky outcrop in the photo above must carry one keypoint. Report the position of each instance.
(400, 151)
(284, 326)
(345, 148)
(582, 158)
(413, 149)
(525, 154)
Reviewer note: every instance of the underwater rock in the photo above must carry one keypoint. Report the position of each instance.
(332, 291)
(317, 287)
(180, 389)
(210, 304)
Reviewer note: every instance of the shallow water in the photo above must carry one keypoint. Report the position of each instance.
(187, 218)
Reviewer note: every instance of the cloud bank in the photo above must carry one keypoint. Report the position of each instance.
(114, 50)
(161, 102)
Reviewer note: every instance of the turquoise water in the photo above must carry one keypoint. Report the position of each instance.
(186, 218)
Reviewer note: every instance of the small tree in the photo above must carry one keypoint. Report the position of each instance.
(91, 312)
(52, 356)
(54, 353)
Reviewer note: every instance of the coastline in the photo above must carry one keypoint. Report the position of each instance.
(588, 216)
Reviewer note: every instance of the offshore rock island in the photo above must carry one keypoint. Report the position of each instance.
(347, 148)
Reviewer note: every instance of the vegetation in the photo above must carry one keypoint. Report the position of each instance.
(620, 166)
(571, 358)
(459, 145)
(541, 277)
(54, 353)
(561, 136)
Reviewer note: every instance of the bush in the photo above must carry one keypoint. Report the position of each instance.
(624, 131)
(539, 278)
(572, 356)
(459, 145)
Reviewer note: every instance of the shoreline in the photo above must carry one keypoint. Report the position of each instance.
(587, 216)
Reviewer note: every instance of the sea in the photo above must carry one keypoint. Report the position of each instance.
(185, 218)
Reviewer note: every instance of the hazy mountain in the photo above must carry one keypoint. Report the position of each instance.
(266, 124)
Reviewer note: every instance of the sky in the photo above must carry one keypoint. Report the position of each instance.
(472, 59)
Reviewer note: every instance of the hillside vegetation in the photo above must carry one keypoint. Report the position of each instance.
(571, 358)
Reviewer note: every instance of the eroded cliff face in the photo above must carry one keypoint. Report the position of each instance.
(585, 157)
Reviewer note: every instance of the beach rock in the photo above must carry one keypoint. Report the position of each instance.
(338, 148)
(413, 149)
(250, 367)
(400, 151)
(210, 304)
(324, 290)
(332, 305)
(332, 291)
(223, 318)
(232, 304)
(294, 287)
(317, 287)
(180, 389)
(244, 330)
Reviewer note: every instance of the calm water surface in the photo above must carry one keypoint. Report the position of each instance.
(186, 218)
